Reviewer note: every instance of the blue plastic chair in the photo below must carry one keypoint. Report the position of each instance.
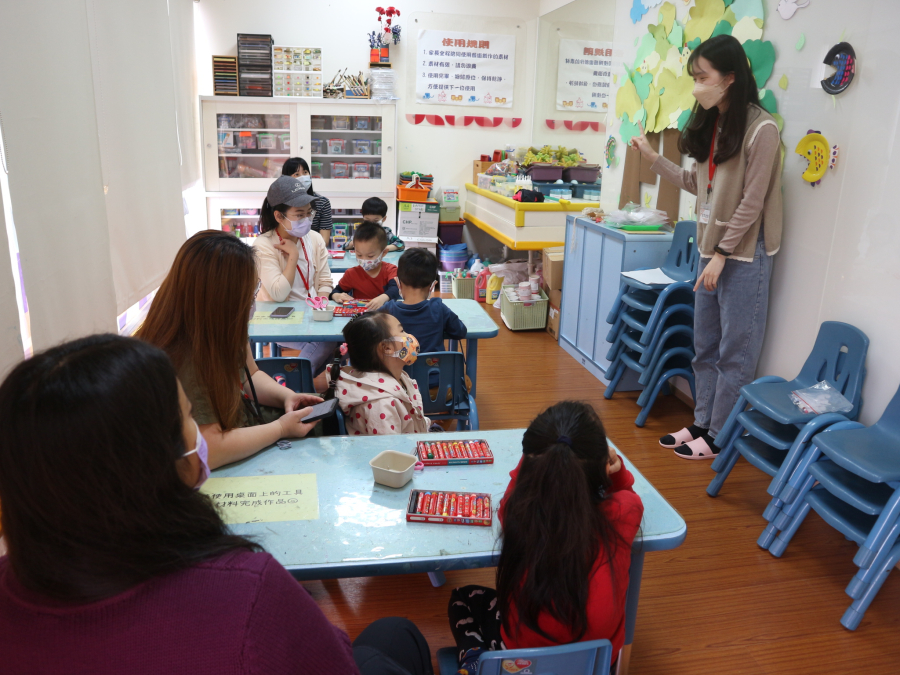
(298, 377)
(579, 658)
(775, 425)
(453, 401)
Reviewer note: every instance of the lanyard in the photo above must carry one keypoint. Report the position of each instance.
(303, 278)
(712, 162)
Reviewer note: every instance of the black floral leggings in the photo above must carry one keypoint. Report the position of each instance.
(475, 619)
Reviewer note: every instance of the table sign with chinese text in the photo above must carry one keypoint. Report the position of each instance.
(467, 69)
(265, 499)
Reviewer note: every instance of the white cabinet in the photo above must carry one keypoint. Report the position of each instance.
(349, 145)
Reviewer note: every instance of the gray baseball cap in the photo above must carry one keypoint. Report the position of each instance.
(288, 190)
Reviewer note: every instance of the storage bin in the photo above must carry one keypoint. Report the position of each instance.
(464, 289)
(450, 212)
(584, 173)
(413, 194)
(231, 212)
(376, 147)
(340, 122)
(340, 170)
(315, 169)
(336, 146)
(376, 170)
(285, 141)
(362, 147)
(519, 315)
(249, 212)
(547, 172)
(317, 121)
(544, 187)
(247, 140)
(360, 170)
(393, 469)
(361, 123)
(318, 146)
(450, 232)
(377, 123)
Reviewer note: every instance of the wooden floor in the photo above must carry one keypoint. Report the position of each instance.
(717, 604)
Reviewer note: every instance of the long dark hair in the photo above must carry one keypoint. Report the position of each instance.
(267, 221)
(200, 315)
(92, 500)
(553, 527)
(727, 56)
(363, 335)
(290, 167)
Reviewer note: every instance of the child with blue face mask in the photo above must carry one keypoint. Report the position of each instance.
(373, 280)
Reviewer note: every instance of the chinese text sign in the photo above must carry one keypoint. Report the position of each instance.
(265, 499)
(584, 80)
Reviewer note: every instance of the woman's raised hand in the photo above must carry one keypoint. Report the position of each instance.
(641, 144)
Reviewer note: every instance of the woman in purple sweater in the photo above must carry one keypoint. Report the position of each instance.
(116, 564)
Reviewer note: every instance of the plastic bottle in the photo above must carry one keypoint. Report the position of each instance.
(494, 286)
(481, 284)
(476, 267)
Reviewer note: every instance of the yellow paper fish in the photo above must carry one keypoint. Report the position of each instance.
(815, 148)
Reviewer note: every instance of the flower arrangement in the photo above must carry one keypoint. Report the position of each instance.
(386, 32)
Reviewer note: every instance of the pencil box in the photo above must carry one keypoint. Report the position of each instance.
(442, 453)
(449, 508)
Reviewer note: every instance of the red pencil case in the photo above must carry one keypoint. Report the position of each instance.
(442, 453)
(449, 508)
(349, 310)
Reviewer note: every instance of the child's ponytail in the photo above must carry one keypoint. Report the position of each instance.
(553, 528)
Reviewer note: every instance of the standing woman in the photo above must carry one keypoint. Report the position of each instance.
(291, 258)
(200, 318)
(296, 167)
(736, 176)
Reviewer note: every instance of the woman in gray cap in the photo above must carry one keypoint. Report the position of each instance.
(292, 260)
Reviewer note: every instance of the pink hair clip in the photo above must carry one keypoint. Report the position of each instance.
(344, 349)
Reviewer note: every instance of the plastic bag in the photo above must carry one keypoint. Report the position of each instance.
(511, 272)
(821, 398)
(633, 214)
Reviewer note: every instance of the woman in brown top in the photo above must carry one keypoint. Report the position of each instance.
(200, 319)
(736, 176)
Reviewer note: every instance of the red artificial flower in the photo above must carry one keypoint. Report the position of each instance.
(380, 10)
(387, 29)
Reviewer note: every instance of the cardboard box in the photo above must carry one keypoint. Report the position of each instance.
(480, 167)
(429, 243)
(553, 259)
(554, 305)
(418, 220)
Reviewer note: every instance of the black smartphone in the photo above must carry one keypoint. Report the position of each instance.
(321, 410)
(281, 312)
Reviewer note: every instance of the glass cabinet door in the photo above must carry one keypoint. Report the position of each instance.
(251, 143)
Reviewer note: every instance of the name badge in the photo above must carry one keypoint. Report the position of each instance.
(704, 214)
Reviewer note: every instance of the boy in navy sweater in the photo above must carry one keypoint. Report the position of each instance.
(428, 320)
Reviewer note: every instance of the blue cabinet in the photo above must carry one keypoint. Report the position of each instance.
(596, 255)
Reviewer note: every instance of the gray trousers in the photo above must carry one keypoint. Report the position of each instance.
(729, 325)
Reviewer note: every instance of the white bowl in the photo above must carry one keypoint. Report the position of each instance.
(326, 314)
(392, 468)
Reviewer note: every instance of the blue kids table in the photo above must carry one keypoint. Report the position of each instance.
(479, 324)
(349, 260)
(362, 528)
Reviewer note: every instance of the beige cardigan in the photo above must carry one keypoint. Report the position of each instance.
(270, 263)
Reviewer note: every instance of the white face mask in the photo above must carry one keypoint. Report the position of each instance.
(369, 265)
(305, 182)
(709, 95)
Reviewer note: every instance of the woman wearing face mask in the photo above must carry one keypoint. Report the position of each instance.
(127, 568)
(200, 318)
(291, 258)
(375, 394)
(296, 167)
(736, 176)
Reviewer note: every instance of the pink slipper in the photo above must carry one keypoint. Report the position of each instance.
(676, 440)
(698, 449)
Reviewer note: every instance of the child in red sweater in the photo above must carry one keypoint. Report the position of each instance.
(569, 517)
(373, 279)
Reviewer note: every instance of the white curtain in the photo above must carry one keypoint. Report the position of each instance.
(55, 180)
(181, 30)
(11, 350)
(136, 113)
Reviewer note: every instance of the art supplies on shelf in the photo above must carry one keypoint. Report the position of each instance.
(254, 64)
(443, 453)
(449, 508)
(225, 76)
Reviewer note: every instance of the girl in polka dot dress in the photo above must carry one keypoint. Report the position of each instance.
(376, 396)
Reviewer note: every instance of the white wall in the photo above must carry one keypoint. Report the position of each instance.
(340, 28)
(840, 258)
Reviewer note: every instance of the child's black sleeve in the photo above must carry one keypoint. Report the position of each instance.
(338, 289)
(392, 290)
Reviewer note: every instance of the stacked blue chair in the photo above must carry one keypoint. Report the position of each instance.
(452, 401)
(652, 325)
(773, 433)
(579, 658)
(295, 373)
(849, 475)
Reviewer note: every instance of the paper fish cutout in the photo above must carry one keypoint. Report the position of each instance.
(843, 58)
(832, 162)
(611, 152)
(816, 149)
(787, 8)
